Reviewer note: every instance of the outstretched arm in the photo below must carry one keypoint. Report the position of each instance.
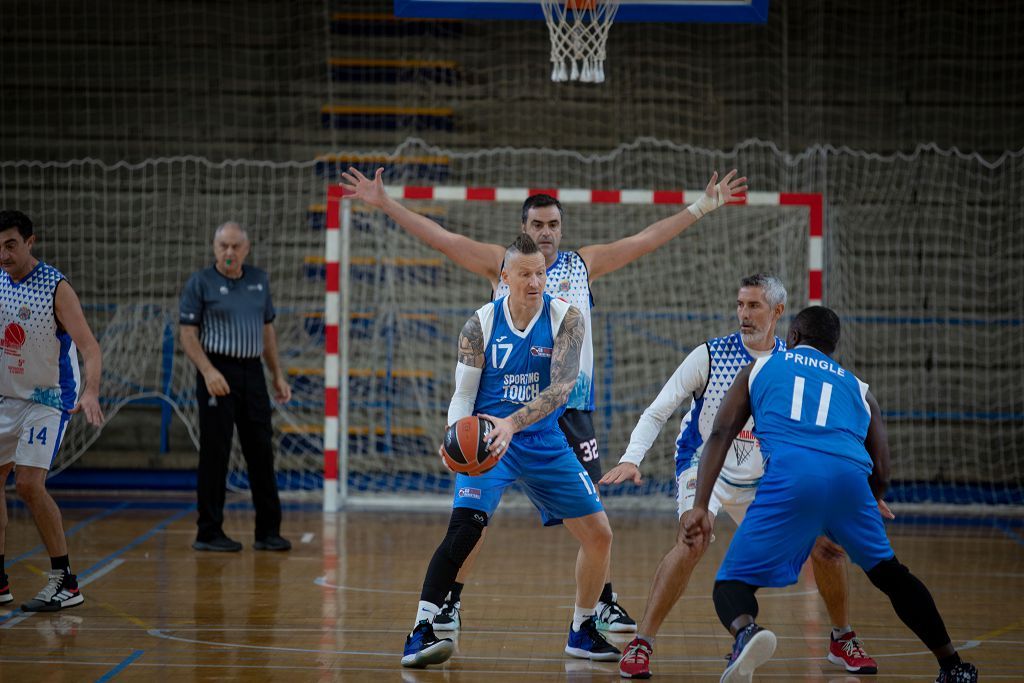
(477, 257)
(565, 367)
(68, 311)
(602, 259)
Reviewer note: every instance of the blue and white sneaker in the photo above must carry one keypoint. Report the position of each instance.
(423, 648)
(449, 619)
(753, 647)
(588, 643)
(612, 617)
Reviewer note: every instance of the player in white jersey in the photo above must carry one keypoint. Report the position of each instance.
(705, 376)
(569, 274)
(40, 388)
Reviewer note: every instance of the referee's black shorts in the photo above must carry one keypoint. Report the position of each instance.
(578, 427)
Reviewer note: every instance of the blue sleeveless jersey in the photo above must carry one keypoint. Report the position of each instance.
(802, 400)
(517, 366)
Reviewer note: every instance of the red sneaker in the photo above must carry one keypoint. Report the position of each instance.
(5, 590)
(636, 659)
(848, 652)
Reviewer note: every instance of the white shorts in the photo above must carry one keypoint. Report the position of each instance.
(30, 433)
(733, 499)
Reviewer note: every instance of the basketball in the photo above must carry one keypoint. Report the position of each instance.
(465, 446)
(14, 336)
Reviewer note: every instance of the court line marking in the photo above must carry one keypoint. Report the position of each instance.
(1004, 527)
(159, 633)
(72, 531)
(104, 565)
(324, 583)
(125, 663)
(17, 616)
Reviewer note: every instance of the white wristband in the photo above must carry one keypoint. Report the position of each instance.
(706, 204)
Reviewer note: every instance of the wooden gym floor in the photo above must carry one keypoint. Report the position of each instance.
(337, 607)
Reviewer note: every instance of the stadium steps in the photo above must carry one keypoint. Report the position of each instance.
(364, 218)
(369, 25)
(420, 271)
(393, 71)
(362, 324)
(396, 168)
(387, 117)
(307, 438)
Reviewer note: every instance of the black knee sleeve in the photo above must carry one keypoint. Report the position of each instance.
(464, 530)
(733, 598)
(911, 600)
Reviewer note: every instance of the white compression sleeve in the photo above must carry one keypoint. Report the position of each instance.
(467, 381)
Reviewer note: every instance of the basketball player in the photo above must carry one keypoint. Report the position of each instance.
(40, 389)
(827, 454)
(705, 376)
(569, 274)
(519, 358)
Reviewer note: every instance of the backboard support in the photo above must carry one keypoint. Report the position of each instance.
(657, 11)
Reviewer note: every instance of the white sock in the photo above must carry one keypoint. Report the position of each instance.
(838, 632)
(581, 614)
(426, 610)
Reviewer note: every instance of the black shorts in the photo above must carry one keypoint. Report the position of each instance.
(578, 427)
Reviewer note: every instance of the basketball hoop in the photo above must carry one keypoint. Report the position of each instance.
(579, 32)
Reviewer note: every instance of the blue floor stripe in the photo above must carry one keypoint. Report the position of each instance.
(72, 531)
(1006, 529)
(120, 667)
(139, 540)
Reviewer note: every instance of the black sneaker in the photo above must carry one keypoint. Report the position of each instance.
(272, 543)
(753, 647)
(60, 592)
(961, 673)
(588, 643)
(5, 590)
(612, 617)
(221, 544)
(449, 618)
(422, 647)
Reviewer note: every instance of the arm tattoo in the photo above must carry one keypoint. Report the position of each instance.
(471, 343)
(565, 367)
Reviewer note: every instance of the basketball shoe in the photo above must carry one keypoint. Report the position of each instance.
(849, 652)
(5, 590)
(60, 592)
(448, 619)
(423, 648)
(611, 617)
(753, 647)
(588, 643)
(961, 673)
(636, 660)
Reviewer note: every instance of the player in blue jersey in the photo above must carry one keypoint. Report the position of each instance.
(704, 376)
(827, 462)
(518, 360)
(40, 389)
(569, 274)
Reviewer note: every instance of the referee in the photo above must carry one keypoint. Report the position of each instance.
(227, 324)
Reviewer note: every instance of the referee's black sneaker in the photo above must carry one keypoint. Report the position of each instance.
(272, 543)
(220, 544)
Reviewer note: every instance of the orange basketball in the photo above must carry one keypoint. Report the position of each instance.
(465, 446)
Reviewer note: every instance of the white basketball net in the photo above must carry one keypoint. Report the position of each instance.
(578, 37)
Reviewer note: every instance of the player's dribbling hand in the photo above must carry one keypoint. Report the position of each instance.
(89, 404)
(369, 191)
(500, 437)
(696, 527)
(884, 510)
(216, 385)
(623, 472)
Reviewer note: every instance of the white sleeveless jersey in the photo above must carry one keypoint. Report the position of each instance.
(39, 360)
(744, 464)
(568, 280)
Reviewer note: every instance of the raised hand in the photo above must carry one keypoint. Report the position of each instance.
(718, 194)
(370, 191)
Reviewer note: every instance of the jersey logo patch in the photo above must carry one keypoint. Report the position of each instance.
(14, 339)
(564, 286)
(24, 313)
(467, 492)
(744, 445)
(541, 351)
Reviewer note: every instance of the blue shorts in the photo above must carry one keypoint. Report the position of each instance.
(548, 471)
(803, 495)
